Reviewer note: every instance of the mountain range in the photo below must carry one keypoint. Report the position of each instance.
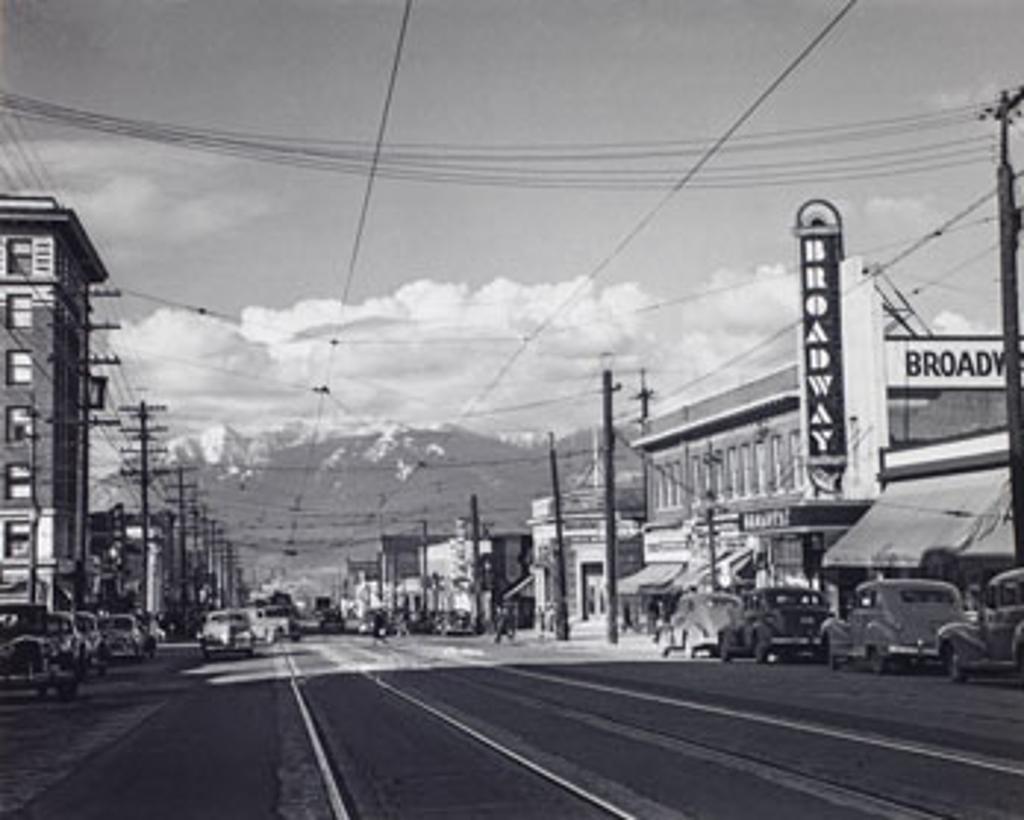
(297, 501)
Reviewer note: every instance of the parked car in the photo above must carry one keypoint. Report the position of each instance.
(124, 637)
(994, 644)
(779, 622)
(264, 629)
(226, 631)
(893, 622)
(699, 618)
(97, 654)
(38, 651)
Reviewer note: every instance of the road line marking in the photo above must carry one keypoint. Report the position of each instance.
(1015, 770)
(326, 775)
(547, 774)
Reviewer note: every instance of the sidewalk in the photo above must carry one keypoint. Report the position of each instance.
(591, 637)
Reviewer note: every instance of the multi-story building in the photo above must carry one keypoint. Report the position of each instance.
(47, 264)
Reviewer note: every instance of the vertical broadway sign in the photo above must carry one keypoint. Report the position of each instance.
(819, 229)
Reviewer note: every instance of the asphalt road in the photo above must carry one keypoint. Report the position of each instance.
(462, 728)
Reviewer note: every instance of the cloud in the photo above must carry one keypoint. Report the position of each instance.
(431, 352)
(951, 323)
(140, 194)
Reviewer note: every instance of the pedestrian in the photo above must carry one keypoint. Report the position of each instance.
(380, 627)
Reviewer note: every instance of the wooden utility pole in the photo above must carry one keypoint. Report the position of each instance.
(478, 598)
(644, 397)
(562, 595)
(1009, 230)
(610, 562)
(711, 461)
(145, 433)
(33, 468)
(424, 578)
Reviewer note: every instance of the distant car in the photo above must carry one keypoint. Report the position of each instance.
(893, 622)
(329, 619)
(124, 637)
(455, 622)
(700, 617)
(994, 644)
(227, 631)
(97, 654)
(281, 620)
(779, 622)
(38, 651)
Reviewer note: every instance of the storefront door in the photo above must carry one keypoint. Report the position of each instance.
(592, 589)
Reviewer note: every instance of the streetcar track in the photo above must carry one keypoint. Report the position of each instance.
(563, 783)
(788, 777)
(1003, 767)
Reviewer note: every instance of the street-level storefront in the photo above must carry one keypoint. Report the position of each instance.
(943, 513)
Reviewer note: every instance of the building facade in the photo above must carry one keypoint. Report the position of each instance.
(47, 265)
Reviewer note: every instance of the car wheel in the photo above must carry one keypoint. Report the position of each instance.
(954, 664)
(723, 649)
(762, 649)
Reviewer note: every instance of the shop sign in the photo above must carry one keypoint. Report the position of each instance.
(758, 520)
(819, 230)
(946, 362)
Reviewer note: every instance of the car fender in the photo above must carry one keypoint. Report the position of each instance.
(880, 635)
(837, 632)
(966, 638)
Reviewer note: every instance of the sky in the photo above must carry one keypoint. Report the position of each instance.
(514, 235)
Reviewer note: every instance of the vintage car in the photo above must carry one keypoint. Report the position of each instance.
(776, 622)
(994, 644)
(227, 631)
(698, 620)
(97, 655)
(282, 622)
(124, 637)
(454, 622)
(892, 622)
(38, 651)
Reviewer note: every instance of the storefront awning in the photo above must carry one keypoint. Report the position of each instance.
(911, 518)
(651, 580)
(731, 566)
(518, 588)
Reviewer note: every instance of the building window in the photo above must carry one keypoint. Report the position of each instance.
(796, 460)
(731, 467)
(19, 481)
(696, 480)
(17, 535)
(19, 257)
(760, 468)
(745, 471)
(19, 367)
(778, 468)
(19, 311)
(19, 424)
(673, 490)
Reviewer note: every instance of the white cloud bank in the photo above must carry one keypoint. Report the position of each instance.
(431, 352)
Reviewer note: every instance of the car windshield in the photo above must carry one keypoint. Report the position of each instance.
(277, 612)
(235, 618)
(795, 597)
(121, 622)
(927, 596)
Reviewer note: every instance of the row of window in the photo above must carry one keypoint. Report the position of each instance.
(18, 367)
(27, 256)
(740, 471)
(17, 539)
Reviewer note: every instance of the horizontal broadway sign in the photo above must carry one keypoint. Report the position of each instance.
(977, 363)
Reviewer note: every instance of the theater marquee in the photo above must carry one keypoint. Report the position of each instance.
(945, 362)
(820, 233)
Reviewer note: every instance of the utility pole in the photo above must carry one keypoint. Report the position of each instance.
(644, 397)
(1009, 229)
(478, 597)
(610, 538)
(144, 434)
(711, 461)
(423, 566)
(562, 599)
(33, 468)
